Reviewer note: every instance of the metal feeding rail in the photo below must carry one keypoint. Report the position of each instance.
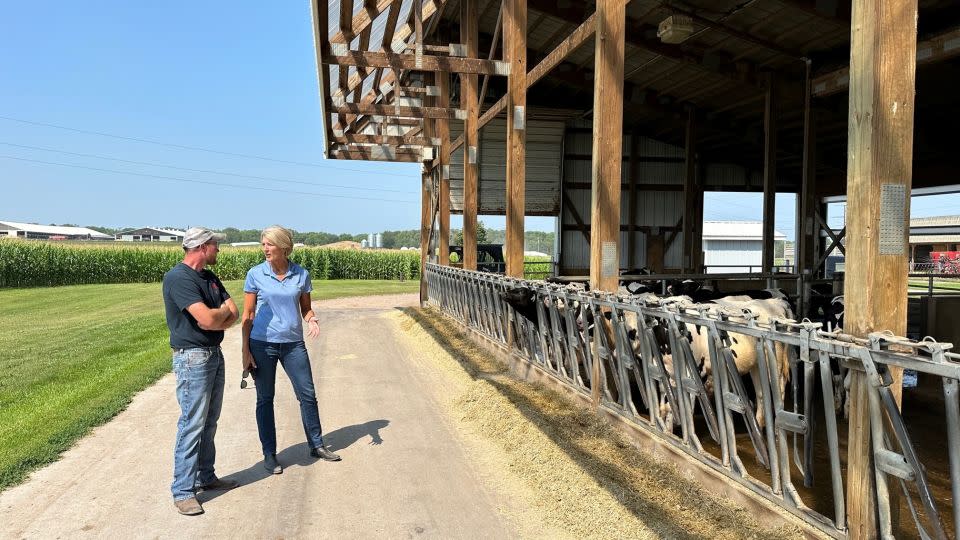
(646, 367)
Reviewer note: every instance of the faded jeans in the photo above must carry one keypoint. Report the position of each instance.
(200, 377)
(293, 357)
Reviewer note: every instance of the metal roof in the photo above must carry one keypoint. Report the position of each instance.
(168, 232)
(736, 230)
(55, 229)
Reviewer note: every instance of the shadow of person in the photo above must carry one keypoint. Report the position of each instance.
(344, 437)
(296, 455)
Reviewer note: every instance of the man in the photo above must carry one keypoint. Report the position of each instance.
(198, 310)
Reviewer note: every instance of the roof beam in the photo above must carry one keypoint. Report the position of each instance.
(377, 153)
(403, 112)
(361, 21)
(449, 64)
(354, 138)
(636, 31)
(929, 51)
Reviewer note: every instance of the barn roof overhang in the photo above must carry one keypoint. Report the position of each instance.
(372, 93)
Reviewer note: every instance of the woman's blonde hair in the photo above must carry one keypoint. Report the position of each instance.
(280, 237)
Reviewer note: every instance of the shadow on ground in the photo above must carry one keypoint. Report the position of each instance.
(298, 455)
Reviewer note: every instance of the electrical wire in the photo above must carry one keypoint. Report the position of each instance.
(196, 148)
(221, 184)
(272, 179)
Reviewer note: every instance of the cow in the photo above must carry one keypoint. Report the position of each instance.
(743, 348)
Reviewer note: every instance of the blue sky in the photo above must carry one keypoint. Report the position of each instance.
(235, 77)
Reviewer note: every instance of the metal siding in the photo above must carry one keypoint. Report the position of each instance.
(544, 144)
(732, 252)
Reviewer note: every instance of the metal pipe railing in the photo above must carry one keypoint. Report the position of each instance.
(650, 375)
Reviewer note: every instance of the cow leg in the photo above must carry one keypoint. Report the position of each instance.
(758, 389)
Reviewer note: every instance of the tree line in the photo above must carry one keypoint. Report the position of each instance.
(533, 240)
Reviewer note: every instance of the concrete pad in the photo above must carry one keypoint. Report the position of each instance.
(405, 471)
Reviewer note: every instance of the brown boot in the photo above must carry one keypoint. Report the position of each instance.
(189, 507)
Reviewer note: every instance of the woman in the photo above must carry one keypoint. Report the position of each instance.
(276, 302)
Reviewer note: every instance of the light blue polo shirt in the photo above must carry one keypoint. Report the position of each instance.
(278, 318)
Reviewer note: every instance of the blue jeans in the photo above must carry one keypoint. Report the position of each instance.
(200, 379)
(293, 357)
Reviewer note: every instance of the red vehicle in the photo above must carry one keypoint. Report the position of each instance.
(946, 262)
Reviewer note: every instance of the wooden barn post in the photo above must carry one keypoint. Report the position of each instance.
(469, 35)
(443, 133)
(883, 53)
(769, 171)
(607, 154)
(515, 53)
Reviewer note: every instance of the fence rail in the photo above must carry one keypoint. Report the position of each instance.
(649, 374)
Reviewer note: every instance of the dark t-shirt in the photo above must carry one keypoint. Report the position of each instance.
(182, 287)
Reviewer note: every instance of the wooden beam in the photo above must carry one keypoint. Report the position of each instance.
(929, 51)
(572, 42)
(403, 112)
(883, 39)
(632, 199)
(493, 51)
(564, 49)
(426, 211)
(769, 171)
(729, 30)
(320, 45)
(806, 227)
(395, 140)
(515, 53)
(443, 134)
(360, 22)
(385, 153)
(690, 189)
(469, 35)
(581, 225)
(448, 64)
(388, 31)
(607, 147)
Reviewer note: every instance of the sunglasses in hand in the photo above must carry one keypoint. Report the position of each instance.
(243, 380)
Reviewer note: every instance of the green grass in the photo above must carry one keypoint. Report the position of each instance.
(73, 357)
(937, 284)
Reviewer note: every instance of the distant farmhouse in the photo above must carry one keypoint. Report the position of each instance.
(150, 234)
(734, 246)
(49, 232)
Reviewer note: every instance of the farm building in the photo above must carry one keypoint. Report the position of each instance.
(734, 246)
(49, 232)
(616, 117)
(150, 234)
(940, 233)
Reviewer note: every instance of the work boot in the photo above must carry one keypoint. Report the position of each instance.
(271, 464)
(219, 485)
(324, 454)
(189, 507)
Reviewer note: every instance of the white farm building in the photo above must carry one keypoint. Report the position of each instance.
(734, 246)
(150, 234)
(16, 229)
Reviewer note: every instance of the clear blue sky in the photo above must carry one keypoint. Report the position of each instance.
(237, 77)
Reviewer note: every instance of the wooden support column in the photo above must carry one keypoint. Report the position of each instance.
(769, 171)
(426, 204)
(610, 19)
(806, 208)
(883, 37)
(443, 133)
(690, 188)
(632, 179)
(469, 35)
(607, 145)
(515, 53)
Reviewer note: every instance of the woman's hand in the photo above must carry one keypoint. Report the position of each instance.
(248, 363)
(313, 328)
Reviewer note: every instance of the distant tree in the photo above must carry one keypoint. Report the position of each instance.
(482, 235)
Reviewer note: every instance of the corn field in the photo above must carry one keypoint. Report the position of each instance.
(30, 263)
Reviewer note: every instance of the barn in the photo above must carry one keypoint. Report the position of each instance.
(735, 246)
(16, 229)
(617, 118)
(150, 234)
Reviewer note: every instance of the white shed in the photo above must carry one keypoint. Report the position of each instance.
(150, 234)
(734, 246)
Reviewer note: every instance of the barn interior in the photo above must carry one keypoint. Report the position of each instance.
(516, 108)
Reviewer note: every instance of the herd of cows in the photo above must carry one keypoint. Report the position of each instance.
(765, 305)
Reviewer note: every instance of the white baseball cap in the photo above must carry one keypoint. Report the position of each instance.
(197, 236)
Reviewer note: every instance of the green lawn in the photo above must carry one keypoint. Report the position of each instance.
(72, 357)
